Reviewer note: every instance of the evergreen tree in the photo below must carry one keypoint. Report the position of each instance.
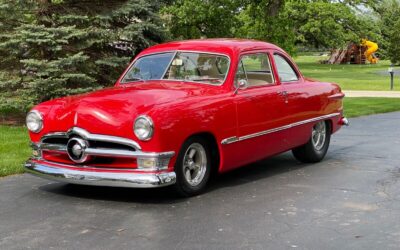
(63, 47)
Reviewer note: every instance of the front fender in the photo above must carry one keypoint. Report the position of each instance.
(175, 123)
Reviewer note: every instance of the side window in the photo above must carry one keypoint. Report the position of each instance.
(240, 73)
(285, 71)
(256, 69)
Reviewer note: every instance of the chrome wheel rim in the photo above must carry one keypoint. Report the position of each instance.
(195, 164)
(318, 136)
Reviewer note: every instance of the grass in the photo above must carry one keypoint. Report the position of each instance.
(14, 149)
(358, 106)
(348, 76)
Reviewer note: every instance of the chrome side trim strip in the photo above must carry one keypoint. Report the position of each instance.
(273, 130)
(230, 140)
(337, 96)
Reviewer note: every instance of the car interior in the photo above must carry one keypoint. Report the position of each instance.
(257, 69)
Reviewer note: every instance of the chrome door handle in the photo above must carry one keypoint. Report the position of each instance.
(284, 94)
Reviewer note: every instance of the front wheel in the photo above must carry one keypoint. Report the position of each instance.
(315, 149)
(193, 167)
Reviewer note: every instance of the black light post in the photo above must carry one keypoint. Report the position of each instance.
(391, 72)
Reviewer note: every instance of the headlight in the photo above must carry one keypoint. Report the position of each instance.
(34, 121)
(143, 128)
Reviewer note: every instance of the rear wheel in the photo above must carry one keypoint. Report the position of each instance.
(193, 167)
(315, 149)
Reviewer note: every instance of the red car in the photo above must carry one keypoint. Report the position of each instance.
(181, 111)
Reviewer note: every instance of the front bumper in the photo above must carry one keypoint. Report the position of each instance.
(95, 178)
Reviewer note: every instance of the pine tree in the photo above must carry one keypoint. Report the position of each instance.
(61, 47)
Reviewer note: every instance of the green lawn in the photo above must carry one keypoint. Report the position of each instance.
(348, 76)
(358, 106)
(14, 149)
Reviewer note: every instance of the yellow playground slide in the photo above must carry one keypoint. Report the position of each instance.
(371, 49)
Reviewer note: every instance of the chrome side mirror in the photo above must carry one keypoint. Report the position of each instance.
(242, 84)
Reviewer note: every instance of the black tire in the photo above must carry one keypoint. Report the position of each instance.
(309, 153)
(182, 185)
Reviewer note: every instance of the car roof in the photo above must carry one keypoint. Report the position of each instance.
(228, 46)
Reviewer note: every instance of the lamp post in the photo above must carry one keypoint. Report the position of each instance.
(391, 72)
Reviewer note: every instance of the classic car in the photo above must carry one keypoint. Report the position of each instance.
(182, 111)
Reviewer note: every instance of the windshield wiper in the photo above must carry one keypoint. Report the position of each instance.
(133, 79)
(206, 79)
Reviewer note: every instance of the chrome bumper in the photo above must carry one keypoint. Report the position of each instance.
(344, 121)
(84, 177)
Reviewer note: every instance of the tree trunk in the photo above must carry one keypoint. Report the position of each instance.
(274, 6)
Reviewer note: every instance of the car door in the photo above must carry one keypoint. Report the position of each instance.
(260, 109)
(302, 103)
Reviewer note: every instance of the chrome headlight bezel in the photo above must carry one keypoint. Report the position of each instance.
(143, 128)
(34, 116)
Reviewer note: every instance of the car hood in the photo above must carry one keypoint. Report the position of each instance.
(113, 110)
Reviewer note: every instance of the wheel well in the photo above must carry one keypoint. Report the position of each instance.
(214, 150)
(329, 123)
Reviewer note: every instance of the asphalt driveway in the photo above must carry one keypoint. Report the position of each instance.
(351, 200)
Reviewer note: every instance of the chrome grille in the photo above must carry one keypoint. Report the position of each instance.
(98, 145)
(63, 137)
(62, 141)
(83, 147)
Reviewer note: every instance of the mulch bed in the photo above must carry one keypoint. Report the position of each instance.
(12, 119)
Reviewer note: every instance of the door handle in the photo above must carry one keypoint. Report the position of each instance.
(284, 94)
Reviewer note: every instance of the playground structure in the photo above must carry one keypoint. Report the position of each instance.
(371, 49)
(355, 54)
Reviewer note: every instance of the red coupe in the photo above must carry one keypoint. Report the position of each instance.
(181, 111)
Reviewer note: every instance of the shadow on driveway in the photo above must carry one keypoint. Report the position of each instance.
(247, 174)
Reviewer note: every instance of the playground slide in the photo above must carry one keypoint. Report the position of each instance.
(371, 49)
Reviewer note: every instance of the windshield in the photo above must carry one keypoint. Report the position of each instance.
(184, 66)
(150, 67)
